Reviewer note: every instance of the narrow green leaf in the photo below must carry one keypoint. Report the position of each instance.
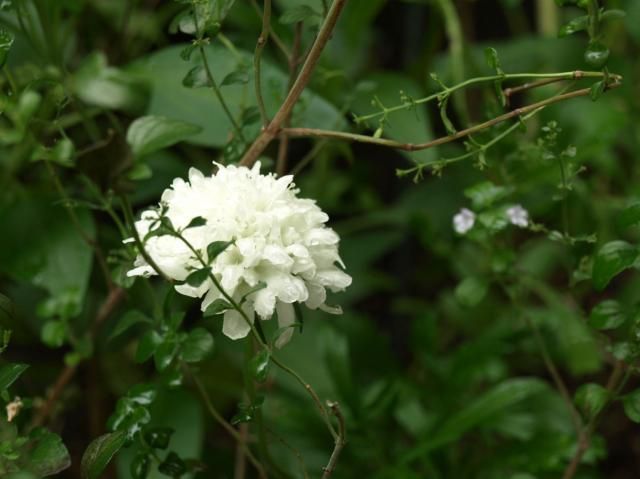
(197, 221)
(196, 78)
(259, 366)
(147, 345)
(6, 41)
(215, 248)
(130, 319)
(597, 89)
(217, 307)
(151, 133)
(236, 77)
(613, 258)
(9, 373)
(99, 454)
(578, 24)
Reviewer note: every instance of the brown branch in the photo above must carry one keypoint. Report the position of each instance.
(283, 147)
(340, 440)
(272, 130)
(339, 135)
(66, 375)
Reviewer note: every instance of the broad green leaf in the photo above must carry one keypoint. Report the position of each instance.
(613, 258)
(591, 399)
(54, 333)
(172, 466)
(486, 193)
(300, 13)
(147, 345)
(607, 315)
(215, 248)
(196, 78)
(197, 346)
(630, 216)
(130, 319)
(217, 307)
(198, 277)
(9, 373)
(140, 466)
(98, 84)
(576, 25)
(195, 222)
(47, 455)
(632, 405)
(152, 133)
(471, 291)
(100, 452)
(158, 437)
(164, 71)
(259, 366)
(164, 354)
(237, 77)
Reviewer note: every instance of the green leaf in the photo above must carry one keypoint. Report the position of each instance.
(471, 291)
(99, 454)
(6, 41)
(47, 455)
(165, 353)
(195, 222)
(596, 55)
(98, 84)
(245, 414)
(158, 437)
(9, 373)
(198, 277)
(7, 309)
(630, 216)
(607, 315)
(196, 78)
(259, 366)
(237, 77)
(172, 466)
(130, 319)
(197, 346)
(491, 55)
(597, 89)
(613, 258)
(54, 333)
(147, 345)
(591, 398)
(217, 307)
(612, 14)
(153, 133)
(215, 248)
(300, 13)
(576, 25)
(485, 194)
(140, 466)
(631, 404)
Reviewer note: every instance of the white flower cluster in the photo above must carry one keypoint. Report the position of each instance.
(279, 240)
(465, 219)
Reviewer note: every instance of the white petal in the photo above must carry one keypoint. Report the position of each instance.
(317, 295)
(334, 279)
(264, 301)
(234, 325)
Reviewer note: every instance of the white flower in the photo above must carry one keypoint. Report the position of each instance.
(518, 216)
(464, 221)
(279, 240)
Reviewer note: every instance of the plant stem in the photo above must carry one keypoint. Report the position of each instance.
(272, 130)
(257, 57)
(572, 75)
(339, 135)
(276, 38)
(340, 441)
(221, 420)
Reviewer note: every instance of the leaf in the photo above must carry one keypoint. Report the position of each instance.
(7, 309)
(198, 277)
(607, 315)
(597, 89)
(99, 454)
(164, 354)
(172, 466)
(54, 333)
(197, 346)
(471, 291)
(612, 14)
(164, 71)
(6, 41)
(98, 84)
(218, 306)
(237, 77)
(47, 454)
(259, 366)
(129, 320)
(485, 194)
(299, 13)
(613, 258)
(196, 78)
(152, 133)
(578, 24)
(216, 248)
(158, 437)
(631, 404)
(9, 373)
(147, 346)
(591, 398)
(630, 216)
(195, 222)
(491, 55)
(140, 466)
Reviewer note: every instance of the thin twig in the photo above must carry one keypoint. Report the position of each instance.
(223, 422)
(294, 451)
(272, 130)
(283, 147)
(257, 57)
(341, 440)
(276, 38)
(339, 135)
(66, 375)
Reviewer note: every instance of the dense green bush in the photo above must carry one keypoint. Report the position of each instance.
(476, 158)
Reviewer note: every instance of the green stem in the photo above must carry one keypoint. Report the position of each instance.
(257, 57)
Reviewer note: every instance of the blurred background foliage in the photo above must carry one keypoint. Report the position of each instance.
(434, 363)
